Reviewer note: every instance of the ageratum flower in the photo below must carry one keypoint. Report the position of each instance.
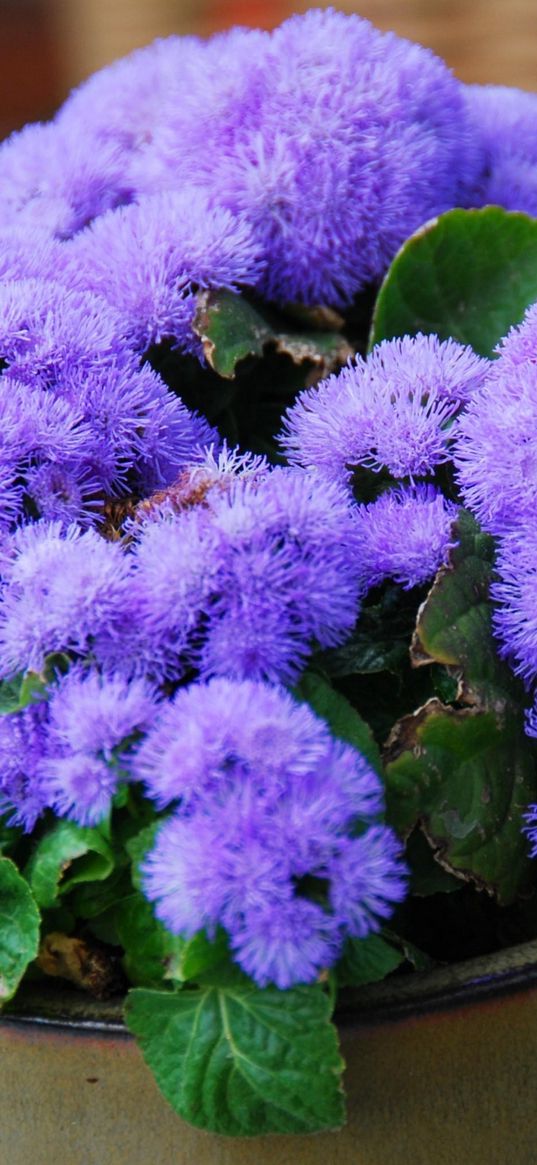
(49, 178)
(90, 716)
(405, 535)
(269, 804)
(23, 746)
(125, 102)
(29, 252)
(69, 368)
(495, 452)
(334, 140)
(505, 121)
(247, 583)
(391, 413)
(148, 260)
(515, 593)
(61, 587)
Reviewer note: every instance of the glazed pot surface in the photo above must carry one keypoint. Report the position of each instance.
(441, 1070)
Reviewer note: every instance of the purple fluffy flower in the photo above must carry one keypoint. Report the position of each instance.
(266, 799)
(392, 412)
(148, 260)
(23, 749)
(495, 451)
(202, 744)
(247, 584)
(29, 252)
(79, 786)
(125, 102)
(405, 535)
(44, 325)
(49, 178)
(91, 715)
(61, 588)
(94, 713)
(515, 593)
(325, 122)
(505, 121)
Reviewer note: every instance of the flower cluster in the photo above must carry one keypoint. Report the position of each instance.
(497, 470)
(269, 807)
(164, 588)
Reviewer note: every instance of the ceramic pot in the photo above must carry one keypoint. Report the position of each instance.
(441, 1070)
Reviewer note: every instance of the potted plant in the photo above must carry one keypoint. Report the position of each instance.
(267, 622)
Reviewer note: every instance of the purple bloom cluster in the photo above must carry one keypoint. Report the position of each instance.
(267, 802)
(392, 412)
(61, 754)
(326, 142)
(505, 122)
(494, 454)
(495, 451)
(404, 535)
(391, 416)
(245, 583)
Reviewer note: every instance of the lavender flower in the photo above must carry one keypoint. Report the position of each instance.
(49, 178)
(247, 584)
(505, 124)
(23, 745)
(149, 258)
(90, 716)
(405, 535)
(60, 589)
(267, 799)
(324, 122)
(515, 593)
(392, 413)
(494, 450)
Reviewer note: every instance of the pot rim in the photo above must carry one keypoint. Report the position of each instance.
(479, 980)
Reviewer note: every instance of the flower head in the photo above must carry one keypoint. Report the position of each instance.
(405, 535)
(494, 451)
(149, 258)
(61, 588)
(267, 801)
(391, 413)
(23, 749)
(249, 581)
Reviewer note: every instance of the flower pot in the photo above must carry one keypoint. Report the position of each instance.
(441, 1067)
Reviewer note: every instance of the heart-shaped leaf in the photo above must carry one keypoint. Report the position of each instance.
(468, 275)
(19, 927)
(243, 1061)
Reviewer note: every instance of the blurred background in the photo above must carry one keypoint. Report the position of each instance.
(48, 46)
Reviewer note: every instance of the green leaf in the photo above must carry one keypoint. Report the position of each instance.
(139, 845)
(427, 876)
(31, 686)
(467, 777)
(19, 928)
(367, 960)
(151, 952)
(231, 329)
(240, 1060)
(454, 623)
(65, 857)
(200, 954)
(466, 774)
(468, 275)
(381, 639)
(344, 721)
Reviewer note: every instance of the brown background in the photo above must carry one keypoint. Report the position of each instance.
(46, 46)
